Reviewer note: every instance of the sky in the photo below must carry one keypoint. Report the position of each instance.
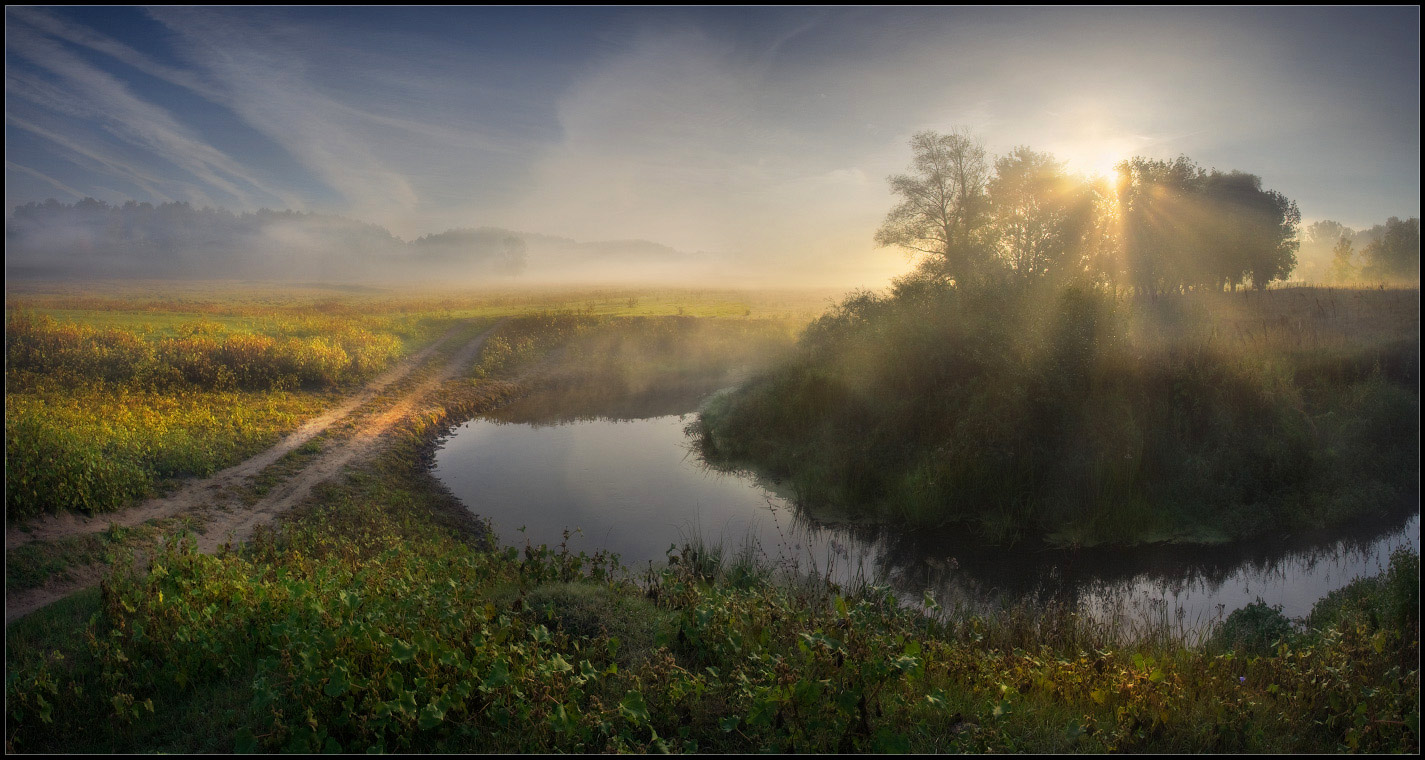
(763, 136)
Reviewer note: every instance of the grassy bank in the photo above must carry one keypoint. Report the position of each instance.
(1089, 418)
(366, 625)
(379, 618)
(624, 367)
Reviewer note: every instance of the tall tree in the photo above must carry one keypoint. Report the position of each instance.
(1315, 258)
(1157, 203)
(943, 204)
(1256, 229)
(1040, 216)
(1185, 227)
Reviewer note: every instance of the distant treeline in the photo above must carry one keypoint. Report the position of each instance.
(1335, 254)
(93, 238)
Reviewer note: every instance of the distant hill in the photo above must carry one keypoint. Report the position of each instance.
(91, 238)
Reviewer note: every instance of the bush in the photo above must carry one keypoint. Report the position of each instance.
(1254, 629)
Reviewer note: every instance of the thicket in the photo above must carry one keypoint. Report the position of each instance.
(1078, 414)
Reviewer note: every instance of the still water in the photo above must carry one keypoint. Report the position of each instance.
(635, 487)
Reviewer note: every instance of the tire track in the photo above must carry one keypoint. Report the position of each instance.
(226, 524)
(195, 494)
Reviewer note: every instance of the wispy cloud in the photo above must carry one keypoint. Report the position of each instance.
(44, 178)
(101, 43)
(390, 152)
(79, 88)
(96, 159)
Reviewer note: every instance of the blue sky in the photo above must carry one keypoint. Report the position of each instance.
(765, 135)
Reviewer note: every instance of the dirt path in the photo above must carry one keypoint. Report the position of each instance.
(198, 493)
(224, 518)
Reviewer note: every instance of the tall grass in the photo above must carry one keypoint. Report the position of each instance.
(42, 351)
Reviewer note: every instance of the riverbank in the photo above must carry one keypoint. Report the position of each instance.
(376, 618)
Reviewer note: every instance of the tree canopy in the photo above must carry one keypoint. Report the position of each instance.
(1395, 255)
(1040, 216)
(1165, 225)
(943, 204)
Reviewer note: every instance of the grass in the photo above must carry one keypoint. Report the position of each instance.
(104, 411)
(326, 643)
(112, 398)
(378, 617)
(241, 304)
(98, 449)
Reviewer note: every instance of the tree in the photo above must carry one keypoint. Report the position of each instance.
(1040, 215)
(1156, 201)
(1256, 229)
(943, 204)
(1184, 227)
(1343, 266)
(1395, 256)
(1316, 256)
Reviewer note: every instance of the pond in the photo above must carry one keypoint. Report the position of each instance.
(635, 487)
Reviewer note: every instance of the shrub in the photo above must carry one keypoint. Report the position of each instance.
(1254, 629)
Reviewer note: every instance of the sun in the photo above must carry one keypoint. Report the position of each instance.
(1093, 143)
(1101, 163)
(1095, 158)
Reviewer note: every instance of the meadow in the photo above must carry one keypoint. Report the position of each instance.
(378, 617)
(96, 417)
(113, 393)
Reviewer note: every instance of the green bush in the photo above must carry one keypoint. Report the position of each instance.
(1254, 629)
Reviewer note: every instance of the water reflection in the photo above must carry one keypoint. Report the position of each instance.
(621, 471)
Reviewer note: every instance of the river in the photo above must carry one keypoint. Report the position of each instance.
(634, 486)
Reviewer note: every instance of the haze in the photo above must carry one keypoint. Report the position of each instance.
(723, 140)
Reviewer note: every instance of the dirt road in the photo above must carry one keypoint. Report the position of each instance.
(214, 502)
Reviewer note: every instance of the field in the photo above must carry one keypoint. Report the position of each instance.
(109, 397)
(374, 616)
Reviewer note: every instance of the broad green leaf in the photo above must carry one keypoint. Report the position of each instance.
(401, 651)
(633, 707)
(431, 716)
